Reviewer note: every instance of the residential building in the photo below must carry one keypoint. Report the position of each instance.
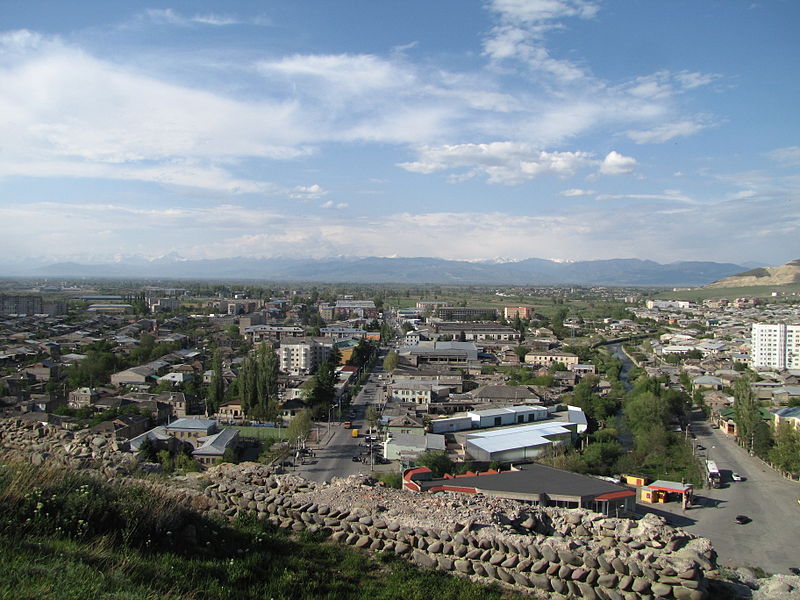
(512, 312)
(463, 313)
(31, 305)
(418, 392)
(191, 430)
(211, 448)
(303, 356)
(551, 357)
(775, 346)
(82, 397)
(477, 331)
(456, 353)
(348, 309)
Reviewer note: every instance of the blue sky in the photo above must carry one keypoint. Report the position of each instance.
(501, 129)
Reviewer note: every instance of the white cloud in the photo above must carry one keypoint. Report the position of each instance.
(666, 132)
(502, 162)
(511, 163)
(330, 204)
(789, 156)
(308, 192)
(573, 192)
(169, 16)
(539, 11)
(616, 164)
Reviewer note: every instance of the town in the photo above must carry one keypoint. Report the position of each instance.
(607, 399)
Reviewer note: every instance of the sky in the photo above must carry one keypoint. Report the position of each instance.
(458, 129)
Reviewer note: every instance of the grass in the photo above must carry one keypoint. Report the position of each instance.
(265, 434)
(68, 536)
(755, 291)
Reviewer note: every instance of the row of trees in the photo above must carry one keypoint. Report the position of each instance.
(781, 446)
(258, 384)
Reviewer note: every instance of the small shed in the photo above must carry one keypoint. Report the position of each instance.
(662, 491)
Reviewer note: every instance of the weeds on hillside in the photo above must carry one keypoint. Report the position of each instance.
(65, 536)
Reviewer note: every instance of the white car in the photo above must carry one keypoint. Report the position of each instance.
(736, 477)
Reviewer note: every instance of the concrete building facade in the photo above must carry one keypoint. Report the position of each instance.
(775, 346)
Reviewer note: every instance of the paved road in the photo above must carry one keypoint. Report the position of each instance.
(334, 456)
(772, 539)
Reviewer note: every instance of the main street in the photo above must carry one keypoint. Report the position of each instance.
(334, 456)
(768, 541)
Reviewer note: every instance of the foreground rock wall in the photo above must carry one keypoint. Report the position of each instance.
(549, 550)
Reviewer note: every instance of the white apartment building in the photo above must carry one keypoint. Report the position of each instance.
(775, 346)
(303, 356)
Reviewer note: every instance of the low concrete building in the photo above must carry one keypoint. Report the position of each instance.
(212, 448)
(192, 429)
(519, 444)
(512, 415)
(537, 484)
(409, 446)
(451, 424)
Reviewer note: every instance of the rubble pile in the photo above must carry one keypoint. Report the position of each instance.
(566, 551)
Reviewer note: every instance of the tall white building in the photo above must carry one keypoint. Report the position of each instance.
(775, 346)
(302, 356)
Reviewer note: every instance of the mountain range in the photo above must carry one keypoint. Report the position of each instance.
(531, 271)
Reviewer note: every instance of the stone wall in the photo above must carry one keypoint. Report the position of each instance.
(549, 550)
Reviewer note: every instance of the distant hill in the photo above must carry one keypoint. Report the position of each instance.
(532, 271)
(783, 275)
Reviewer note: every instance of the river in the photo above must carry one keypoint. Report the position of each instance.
(616, 351)
(625, 437)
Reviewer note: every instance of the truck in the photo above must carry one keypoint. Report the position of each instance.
(354, 433)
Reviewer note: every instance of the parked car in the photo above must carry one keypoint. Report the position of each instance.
(742, 519)
(356, 459)
(736, 477)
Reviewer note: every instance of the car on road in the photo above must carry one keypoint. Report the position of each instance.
(736, 477)
(356, 459)
(700, 447)
(742, 519)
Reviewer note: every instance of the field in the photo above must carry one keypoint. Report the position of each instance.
(265, 434)
(791, 291)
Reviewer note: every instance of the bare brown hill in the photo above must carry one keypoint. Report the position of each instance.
(782, 275)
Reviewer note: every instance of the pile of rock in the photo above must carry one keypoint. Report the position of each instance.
(75, 449)
(563, 551)
(552, 550)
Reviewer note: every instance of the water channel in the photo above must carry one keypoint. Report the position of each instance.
(625, 437)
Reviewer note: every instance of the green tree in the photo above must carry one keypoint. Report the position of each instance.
(437, 461)
(646, 410)
(601, 457)
(390, 361)
(371, 416)
(746, 413)
(299, 428)
(785, 455)
(147, 451)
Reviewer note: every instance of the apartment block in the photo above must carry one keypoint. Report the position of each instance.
(775, 346)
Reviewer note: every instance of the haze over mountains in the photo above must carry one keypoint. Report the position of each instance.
(532, 271)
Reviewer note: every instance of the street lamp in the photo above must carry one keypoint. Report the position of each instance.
(330, 409)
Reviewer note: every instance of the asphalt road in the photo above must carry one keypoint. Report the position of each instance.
(334, 456)
(771, 540)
